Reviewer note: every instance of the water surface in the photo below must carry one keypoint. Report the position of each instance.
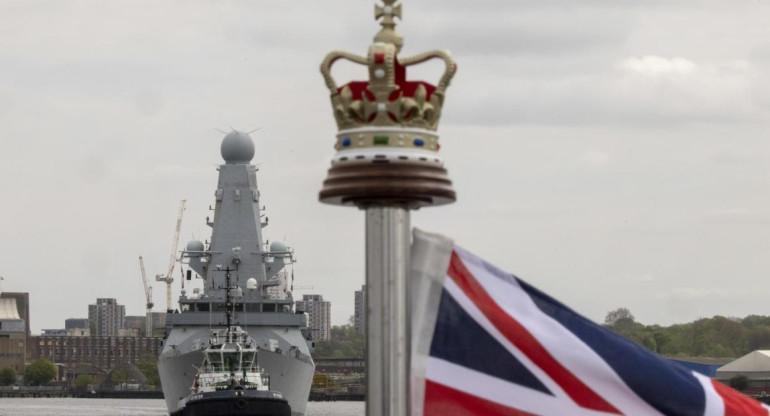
(138, 407)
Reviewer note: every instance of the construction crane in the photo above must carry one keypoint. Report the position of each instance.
(172, 260)
(148, 296)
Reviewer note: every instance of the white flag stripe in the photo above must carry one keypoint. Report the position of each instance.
(563, 345)
(714, 404)
(478, 316)
(502, 392)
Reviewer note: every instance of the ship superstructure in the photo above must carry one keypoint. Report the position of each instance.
(237, 244)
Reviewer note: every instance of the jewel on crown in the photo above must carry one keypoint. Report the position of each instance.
(388, 110)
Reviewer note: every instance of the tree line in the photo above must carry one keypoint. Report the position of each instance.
(717, 336)
(344, 342)
(42, 371)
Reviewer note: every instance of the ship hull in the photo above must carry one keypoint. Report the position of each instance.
(235, 403)
(289, 375)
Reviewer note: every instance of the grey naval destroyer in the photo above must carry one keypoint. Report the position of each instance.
(262, 302)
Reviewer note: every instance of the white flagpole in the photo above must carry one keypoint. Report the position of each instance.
(387, 323)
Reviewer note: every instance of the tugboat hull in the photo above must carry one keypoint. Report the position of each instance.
(290, 376)
(235, 403)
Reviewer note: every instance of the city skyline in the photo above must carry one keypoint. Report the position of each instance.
(612, 154)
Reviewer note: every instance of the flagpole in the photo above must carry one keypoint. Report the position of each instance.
(387, 163)
(387, 323)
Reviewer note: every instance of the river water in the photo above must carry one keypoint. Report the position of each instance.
(147, 407)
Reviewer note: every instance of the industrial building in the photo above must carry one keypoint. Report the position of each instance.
(77, 323)
(102, 352)
(14, 327)
(755, 366)
(135, 324)
(22, 306)
(704, 365)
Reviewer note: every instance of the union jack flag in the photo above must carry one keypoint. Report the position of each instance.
(487, 343)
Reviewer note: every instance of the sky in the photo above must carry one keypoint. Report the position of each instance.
(611, 153)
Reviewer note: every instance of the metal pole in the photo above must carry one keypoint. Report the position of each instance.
(387, 324)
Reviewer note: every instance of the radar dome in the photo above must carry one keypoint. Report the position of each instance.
(279, 247)
(195, 245)
(251, 284)
(237, 147)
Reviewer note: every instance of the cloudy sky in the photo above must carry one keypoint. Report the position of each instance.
(612, 153)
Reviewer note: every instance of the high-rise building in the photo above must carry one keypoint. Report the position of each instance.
(106, 317)
(319, 315)
(359, 317)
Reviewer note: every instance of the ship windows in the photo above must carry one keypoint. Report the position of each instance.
(231, 361)
(215, 360)
(248, 359)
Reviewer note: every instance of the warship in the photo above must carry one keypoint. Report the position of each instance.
(230, 381)
(262, 302)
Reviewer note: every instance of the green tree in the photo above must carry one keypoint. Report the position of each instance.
(148, 365)
(7, 376)
(41, 371)
(83, 381)
(119, 376)
(344, 342)
(758, 337)
(619, 316)
(717, 336)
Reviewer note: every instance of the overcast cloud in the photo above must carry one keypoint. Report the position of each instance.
(612, 153)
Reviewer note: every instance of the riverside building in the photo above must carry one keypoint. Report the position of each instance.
(106, 316)
(359, 317)
(14, 328)
(319, 315)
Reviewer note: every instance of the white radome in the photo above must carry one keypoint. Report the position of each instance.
(279, 247)
(195, 245)
(237, 147)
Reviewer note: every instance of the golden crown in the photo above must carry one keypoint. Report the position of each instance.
(387, 102)
(387, 146)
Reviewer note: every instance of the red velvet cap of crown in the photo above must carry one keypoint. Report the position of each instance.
(406, 88)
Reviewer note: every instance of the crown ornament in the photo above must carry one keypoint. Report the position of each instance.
(387, 145)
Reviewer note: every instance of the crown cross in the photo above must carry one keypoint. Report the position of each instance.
(389, 11)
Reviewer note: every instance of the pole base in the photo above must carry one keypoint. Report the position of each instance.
(408, 184)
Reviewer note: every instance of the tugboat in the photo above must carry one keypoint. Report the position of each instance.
(230, 381)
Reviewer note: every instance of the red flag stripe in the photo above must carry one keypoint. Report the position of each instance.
(736, 404)
(519, 336)
(441, 400)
